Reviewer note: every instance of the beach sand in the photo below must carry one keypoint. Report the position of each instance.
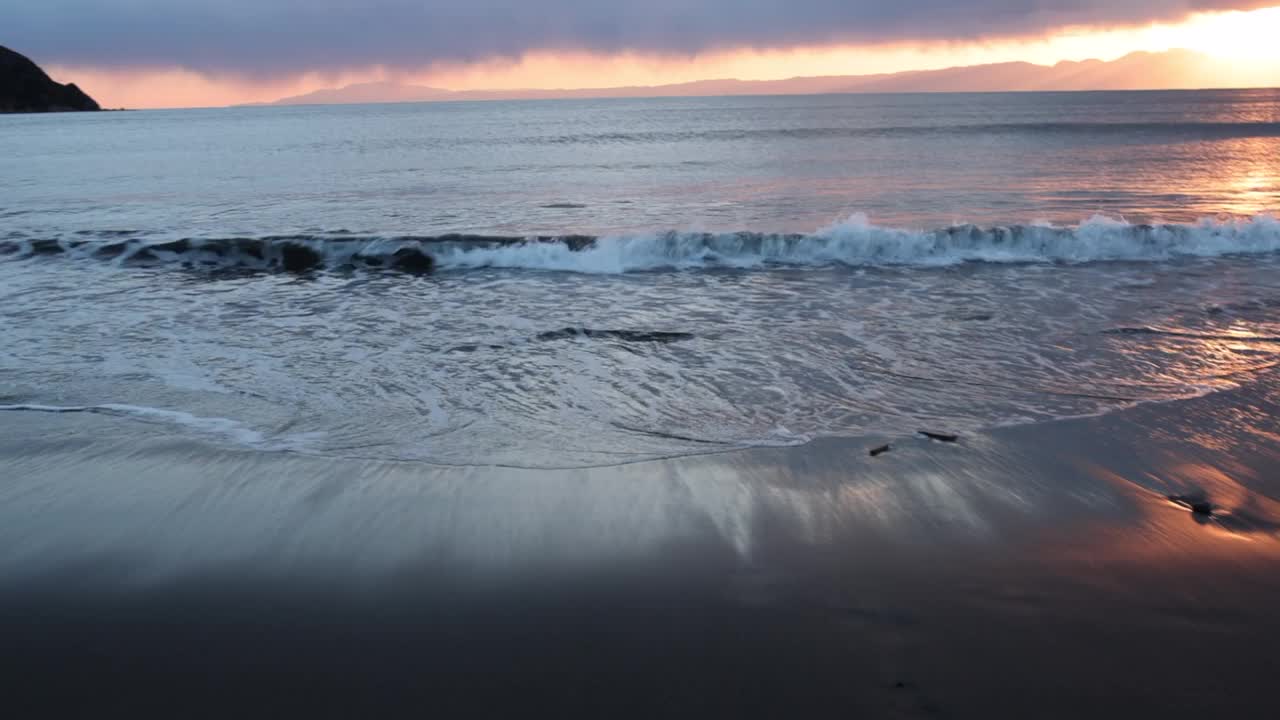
(1033, 571)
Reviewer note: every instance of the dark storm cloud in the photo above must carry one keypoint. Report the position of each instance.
(267, 37)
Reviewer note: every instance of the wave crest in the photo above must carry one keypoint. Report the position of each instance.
(854, 242)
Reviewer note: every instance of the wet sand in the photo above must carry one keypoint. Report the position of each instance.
(1036, 571)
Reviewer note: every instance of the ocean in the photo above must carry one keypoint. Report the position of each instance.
(623, 280)
(613, 408)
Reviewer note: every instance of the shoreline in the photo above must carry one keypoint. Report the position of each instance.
(1033, 570)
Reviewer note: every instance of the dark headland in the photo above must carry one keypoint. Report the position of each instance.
(25, 88)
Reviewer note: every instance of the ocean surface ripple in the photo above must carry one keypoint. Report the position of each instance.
(581, 283)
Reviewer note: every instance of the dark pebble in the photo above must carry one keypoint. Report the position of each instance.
(1197, 505)
(940, 437)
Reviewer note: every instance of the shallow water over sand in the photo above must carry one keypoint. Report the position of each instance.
(549, 369)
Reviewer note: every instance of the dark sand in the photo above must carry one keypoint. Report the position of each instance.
(1028, 572)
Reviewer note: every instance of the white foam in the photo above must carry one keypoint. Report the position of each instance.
(46, 408)
(223, 428)
(857, 242)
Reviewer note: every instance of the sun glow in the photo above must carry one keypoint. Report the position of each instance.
(1232, 35)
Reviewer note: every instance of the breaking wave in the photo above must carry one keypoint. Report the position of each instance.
(853, 242)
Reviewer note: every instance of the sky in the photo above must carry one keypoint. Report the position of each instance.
(173, 53)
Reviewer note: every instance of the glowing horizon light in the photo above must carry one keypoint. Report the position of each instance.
(1245, 46)
(1251, 35)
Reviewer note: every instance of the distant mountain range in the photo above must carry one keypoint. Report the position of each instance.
(1172, 69)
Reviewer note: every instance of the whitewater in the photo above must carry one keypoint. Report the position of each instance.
(853, 242)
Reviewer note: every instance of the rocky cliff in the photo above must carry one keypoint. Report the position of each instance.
(24, 87)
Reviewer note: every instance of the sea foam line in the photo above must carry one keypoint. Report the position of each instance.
(224, 428)
(858, 242)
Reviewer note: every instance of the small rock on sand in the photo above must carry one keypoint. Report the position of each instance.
(940, 437)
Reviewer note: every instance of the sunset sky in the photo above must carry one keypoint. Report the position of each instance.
(169, 53)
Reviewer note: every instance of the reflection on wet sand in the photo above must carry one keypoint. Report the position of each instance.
(1031, 571)
(69, 494)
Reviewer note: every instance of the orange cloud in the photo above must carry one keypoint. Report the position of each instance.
(1244, 37)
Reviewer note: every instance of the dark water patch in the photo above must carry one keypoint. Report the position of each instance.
(412, 260)
(106, 233)
(139, 256)
(564, 206)
(1133, 331)
(638, 336)
(111, 250)
(46, 246)
(473, 348)
(570, 333)
(299, 258)
(239, 246)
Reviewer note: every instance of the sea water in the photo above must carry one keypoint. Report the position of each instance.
(621, 280)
